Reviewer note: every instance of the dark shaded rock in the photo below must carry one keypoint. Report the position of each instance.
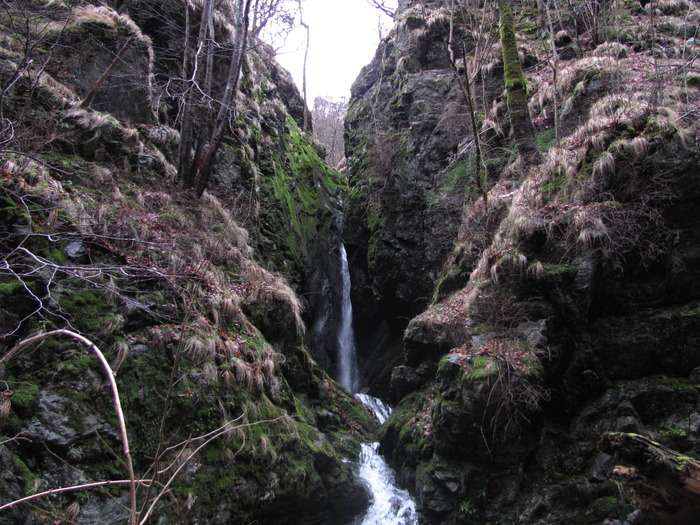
(88, 47)
(404, 380)
(665, 482)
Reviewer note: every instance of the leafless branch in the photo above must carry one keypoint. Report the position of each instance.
(115, 398)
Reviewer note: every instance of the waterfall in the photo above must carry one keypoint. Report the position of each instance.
(347, 358)
(381, 410)
(390, 504)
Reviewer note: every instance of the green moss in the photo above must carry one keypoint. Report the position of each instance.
(608, 505)
(56, 255)
(459, 181)
(674, 433)
(513, 72)
(406, 421)
(545, 139)
(79, 365)
(459, 174)
(28, 477)
(299, 189)
(425, 471)
(374, 217)
(303, 412)
(561, 270)
(7, 289)
(92, 311)
(445, 367)
(25, 397)
(482, 366)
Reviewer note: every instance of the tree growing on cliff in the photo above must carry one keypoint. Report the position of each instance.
(516, 85)
(195, 168)
(205, 115)
(466, 75)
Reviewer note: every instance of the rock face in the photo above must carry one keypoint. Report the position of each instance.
(194, 302)
(102, 53)
(405, 129)
(567, 306)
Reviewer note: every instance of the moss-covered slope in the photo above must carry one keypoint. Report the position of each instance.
(229, 417)
(567, 307)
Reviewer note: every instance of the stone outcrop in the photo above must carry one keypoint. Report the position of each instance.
(567, 307)
(406, 134)
(195, 302)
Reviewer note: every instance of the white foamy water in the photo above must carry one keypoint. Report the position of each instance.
(390, 504)
(381, 410)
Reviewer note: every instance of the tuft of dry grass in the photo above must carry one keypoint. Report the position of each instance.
(210, 373)
(266, 448)
(536, 270)
(5, 407)
(121, 350)
(267, 367)
(604, 165)
(599, 141)
(243, 373)
(107, 16)
(258, 380)
(201, 347)
(612, 49)
(228, 379)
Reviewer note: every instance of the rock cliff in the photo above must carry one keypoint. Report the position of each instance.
(530, 303)
(195, 302)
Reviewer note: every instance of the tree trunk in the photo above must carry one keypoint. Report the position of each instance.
(555, 68)
(205, 164)
(465, 85)
(90, 97)
(516, 86)
(187, 124)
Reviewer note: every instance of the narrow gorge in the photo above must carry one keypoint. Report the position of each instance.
(202, 321)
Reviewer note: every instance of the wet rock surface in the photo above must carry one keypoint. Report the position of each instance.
(531, 341)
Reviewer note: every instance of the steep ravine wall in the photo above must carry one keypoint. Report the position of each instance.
(199, 304)
(405, 128)
(562, 305)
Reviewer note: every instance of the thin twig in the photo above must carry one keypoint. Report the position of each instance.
(73, 488)
(115, 394)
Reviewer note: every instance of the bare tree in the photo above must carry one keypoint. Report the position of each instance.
(205, 115)
(185, 166)
(205, 162)
(555, 68)
(383, 6)
(195, 169)
(329, 116)
(33, 39)
(472, 64)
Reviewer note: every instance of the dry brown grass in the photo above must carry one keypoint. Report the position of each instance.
(612, 49)
(604, 166)
(243, 373)
(228, 380)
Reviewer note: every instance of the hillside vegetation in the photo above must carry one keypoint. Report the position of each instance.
(529, 275)
(194, 301)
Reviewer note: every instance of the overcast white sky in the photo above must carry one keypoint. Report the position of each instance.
(344, 37)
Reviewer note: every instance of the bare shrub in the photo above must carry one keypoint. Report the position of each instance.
(511, 369)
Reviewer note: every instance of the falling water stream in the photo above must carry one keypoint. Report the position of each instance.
(390, 505)
(347, 357)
